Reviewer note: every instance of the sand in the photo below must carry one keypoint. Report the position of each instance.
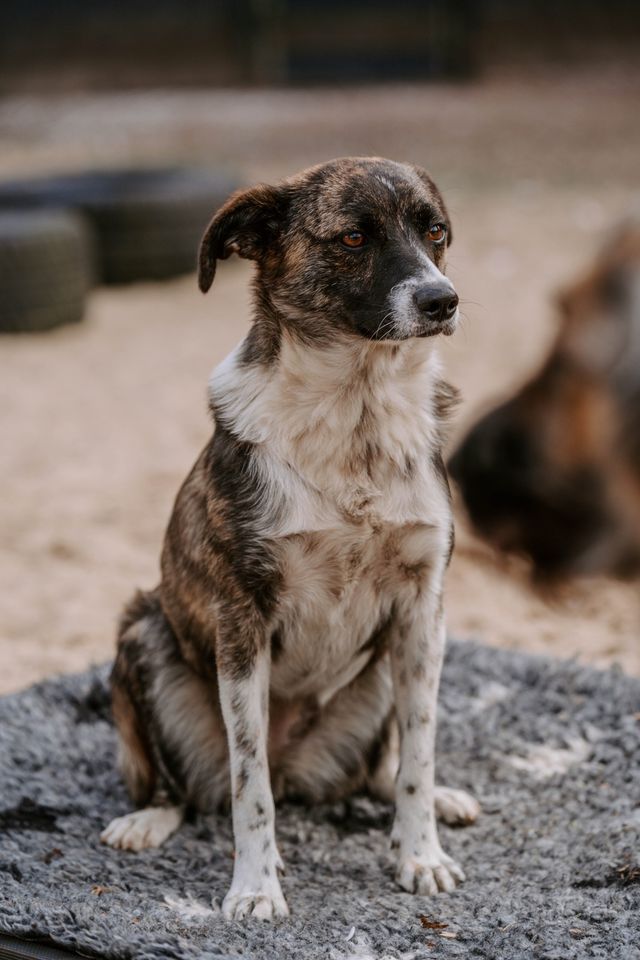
(100, 422)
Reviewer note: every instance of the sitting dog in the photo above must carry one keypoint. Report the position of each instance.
(554, 473)
(299, 627)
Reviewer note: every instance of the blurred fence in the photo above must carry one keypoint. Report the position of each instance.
(73, 44)
(235, 41)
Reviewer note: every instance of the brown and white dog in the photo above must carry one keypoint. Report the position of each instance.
(299, 622)
(554, 473)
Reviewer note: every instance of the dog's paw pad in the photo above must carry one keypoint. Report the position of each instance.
(255, 903)
(142, 828)
(428, 876)
(456, 807)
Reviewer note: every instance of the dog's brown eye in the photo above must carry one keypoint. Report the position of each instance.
(437, 233)
(353, 239)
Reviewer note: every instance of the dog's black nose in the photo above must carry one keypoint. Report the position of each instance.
(437, 301)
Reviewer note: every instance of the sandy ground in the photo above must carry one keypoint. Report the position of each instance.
(99, 423)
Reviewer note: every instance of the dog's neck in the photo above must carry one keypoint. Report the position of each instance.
(349, 412)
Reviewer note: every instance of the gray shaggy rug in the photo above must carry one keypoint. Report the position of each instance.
(551, 749)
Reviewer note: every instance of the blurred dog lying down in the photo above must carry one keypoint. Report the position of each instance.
(554, 472)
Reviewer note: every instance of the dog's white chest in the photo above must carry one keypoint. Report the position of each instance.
(352, 505)
(338, 589)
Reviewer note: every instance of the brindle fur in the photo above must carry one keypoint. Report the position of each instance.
(554, 473)
(322, 487)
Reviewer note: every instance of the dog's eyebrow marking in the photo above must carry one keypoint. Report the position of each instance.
(326, 238)
(386, 182)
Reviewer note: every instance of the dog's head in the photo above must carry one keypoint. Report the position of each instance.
(356, 245)
(555, 471)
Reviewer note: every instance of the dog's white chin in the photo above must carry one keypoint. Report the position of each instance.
(415, 327)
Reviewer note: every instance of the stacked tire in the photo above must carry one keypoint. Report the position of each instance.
(46, 269)
(58, 235)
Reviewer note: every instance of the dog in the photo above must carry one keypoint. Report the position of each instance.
(294, 645)
(554, 473)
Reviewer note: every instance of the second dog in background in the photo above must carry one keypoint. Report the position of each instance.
(554, 473)
(299, 624)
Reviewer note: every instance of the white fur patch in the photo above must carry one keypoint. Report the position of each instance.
(329, 508)
(543, 761)
(189, 908)
(305, 413)
(386, 182)
(141, 829)
(405, 319)
(456, 807)
(255, 889)
(303, 410)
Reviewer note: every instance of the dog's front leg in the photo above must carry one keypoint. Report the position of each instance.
(417, 649)
(244, 696)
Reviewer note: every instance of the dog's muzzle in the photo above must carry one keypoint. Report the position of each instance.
(437, 303)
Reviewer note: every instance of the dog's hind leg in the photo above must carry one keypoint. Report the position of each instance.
(342, 744)
(353, 744)
(455, 807)
(172, 743)
(140, 652)
(148, 827)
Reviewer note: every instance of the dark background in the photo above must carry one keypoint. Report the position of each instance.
(94, 44)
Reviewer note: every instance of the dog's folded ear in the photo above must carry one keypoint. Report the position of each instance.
(247, 224)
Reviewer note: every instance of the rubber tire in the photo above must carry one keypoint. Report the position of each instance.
(46, 269)
(147, 223)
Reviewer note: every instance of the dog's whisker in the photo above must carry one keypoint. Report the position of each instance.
(383, 326)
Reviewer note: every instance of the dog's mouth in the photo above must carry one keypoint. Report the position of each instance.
(434, 328)
(414, 326)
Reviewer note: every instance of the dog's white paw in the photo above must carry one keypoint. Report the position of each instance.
(142, 828)
(428, 875)
(265, 904)
(456, 807)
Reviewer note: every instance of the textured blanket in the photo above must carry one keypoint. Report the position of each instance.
(551, 749)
